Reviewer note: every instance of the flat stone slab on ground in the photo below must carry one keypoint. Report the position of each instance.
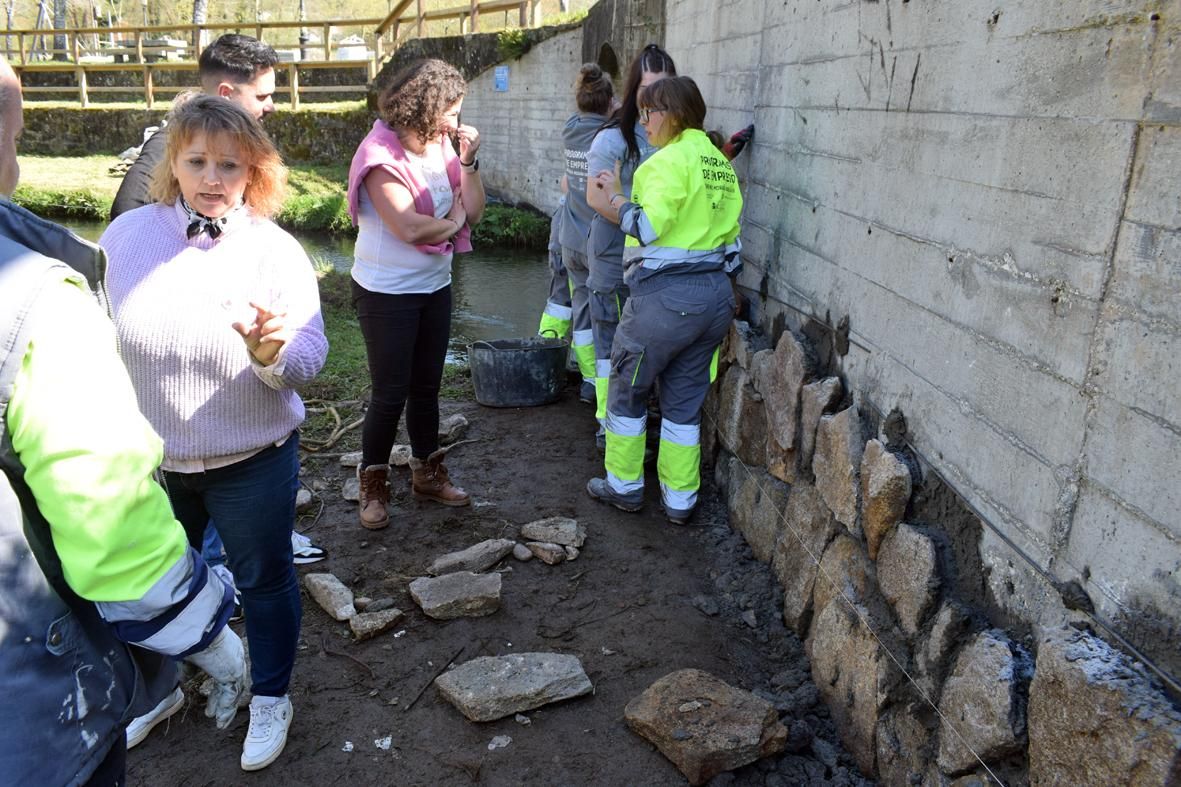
(704, 725)
(555, 530)
(478, 557)
(366, 625)
(492, 687)
(458, 595)
(331, 594)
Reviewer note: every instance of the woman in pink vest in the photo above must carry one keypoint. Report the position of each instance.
(413, 199)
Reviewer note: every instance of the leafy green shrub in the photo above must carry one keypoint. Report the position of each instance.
(316, 213)
(80, 204)
(506, 226)
(512, 43)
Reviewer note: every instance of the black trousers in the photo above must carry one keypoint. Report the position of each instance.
(406, 343)
(112, 771)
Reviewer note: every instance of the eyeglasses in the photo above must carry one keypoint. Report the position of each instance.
(646, 112)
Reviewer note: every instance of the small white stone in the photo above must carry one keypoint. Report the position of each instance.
(303, 500)
(384, 743)
(499, 742)
(348, 746)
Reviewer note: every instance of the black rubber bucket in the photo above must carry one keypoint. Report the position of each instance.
(518, 372)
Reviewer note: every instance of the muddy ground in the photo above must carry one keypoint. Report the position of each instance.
(643, 599)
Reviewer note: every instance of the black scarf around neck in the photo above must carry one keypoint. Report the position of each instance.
(199, 223)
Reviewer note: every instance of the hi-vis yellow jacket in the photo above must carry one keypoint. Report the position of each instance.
(684, 210)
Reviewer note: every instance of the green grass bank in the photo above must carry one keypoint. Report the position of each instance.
(83, 188)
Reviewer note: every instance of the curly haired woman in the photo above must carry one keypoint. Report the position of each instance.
(413, 200)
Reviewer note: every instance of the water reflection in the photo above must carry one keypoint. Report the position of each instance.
(497, 294)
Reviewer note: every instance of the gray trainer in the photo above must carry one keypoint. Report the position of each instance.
(678, 516)
(600, 490)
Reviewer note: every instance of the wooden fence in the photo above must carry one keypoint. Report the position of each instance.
(149, 50)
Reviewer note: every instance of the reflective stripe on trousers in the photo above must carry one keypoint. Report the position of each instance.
(606, 308)
(583, 344)
(679, 464)
(557, 315)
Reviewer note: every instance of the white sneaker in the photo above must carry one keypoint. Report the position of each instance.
(269, 719)
(304, 551)
(142, 725)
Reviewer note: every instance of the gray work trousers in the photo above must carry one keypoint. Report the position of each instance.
(669, 332)
(583, 337)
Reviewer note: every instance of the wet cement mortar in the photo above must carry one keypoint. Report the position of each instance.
(643, 599)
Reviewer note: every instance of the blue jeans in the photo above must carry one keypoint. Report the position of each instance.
(212, 549)
(252, 505)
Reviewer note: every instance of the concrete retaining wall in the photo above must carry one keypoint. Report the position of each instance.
(989, 196)
(521, 128)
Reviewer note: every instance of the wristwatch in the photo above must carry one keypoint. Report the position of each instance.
(473, 167)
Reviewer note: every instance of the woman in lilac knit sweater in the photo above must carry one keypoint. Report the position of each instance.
(218, 316)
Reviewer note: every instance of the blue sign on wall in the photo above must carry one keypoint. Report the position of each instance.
(500, 79)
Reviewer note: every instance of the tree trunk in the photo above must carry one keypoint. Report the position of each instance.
(59, 23)
(9, 12)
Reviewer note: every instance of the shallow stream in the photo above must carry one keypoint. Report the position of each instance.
(498, 294)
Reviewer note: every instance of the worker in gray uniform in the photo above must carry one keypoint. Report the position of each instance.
(593, 95)
(682, 247)
(555, 318)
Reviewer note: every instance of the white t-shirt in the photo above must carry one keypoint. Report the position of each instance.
(384, 263)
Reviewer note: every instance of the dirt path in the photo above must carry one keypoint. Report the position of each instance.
(643, 599)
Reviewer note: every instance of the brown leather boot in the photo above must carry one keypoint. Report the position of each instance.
(375, 496)
(430, 481)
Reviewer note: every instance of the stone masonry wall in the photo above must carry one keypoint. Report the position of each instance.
(924, 688)
(306, 136)
(986, 197)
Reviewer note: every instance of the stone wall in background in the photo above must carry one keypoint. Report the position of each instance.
(923, 685)
(973, 213)
(325, 137)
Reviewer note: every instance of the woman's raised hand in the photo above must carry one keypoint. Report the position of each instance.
(457, 212)
(267, 334)
(469, 143)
